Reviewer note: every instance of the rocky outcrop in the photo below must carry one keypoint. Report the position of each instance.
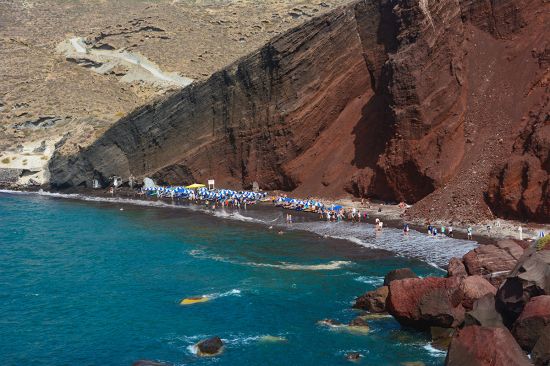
(530, 278)
(398, 274)
(474, 288)
(210, 347)
(423, 303)
(484, 346)
(532, 322)
(493, 262)
(520, 188)
(456, 268)
(484, 313)
(373, 301)
(541, 351)
(376, 98)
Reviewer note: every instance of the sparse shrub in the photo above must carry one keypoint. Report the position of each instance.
(543, 242)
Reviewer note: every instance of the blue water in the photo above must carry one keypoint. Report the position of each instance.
(84, 283)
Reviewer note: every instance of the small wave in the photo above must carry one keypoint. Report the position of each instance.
(370, 280)
(234, 292)
(332, 265)
(434, 352)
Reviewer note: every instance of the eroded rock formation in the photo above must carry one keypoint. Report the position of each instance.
(400, 100)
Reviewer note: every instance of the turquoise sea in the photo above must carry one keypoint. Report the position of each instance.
(86, 283)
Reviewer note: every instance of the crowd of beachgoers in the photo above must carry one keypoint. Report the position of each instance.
(218, 198)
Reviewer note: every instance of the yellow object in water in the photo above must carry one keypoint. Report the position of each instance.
(194, 300)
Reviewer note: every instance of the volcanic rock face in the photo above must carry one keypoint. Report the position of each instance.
(380, 98)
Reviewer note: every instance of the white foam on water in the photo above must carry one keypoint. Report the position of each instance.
(332, 265)
(370, 280)
(217, 295)
(434, 352)
(436, 251)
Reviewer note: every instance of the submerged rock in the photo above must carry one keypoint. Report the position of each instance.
(399, 274)
(210, 347)
(532, 322)
(483, 346)
(330, 323)
(373, 301)
(353, 356)
(272, 339)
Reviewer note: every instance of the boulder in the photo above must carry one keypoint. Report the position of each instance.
(491, 262)
(484, 313)
(373, 301)
(423, 303)
(532, 321)
(358, 322)
(484, 346)
(541, 352)
(399, 274)
(353, 356)
(474, 288)
(210, 347)
(530, 278)
(330, 323)
(456, 268)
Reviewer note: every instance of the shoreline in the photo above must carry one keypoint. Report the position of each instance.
(417, 245)
(391, 214)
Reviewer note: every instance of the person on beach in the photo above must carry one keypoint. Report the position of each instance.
(520, 229)
(434, 231)
(451, 234)
(406, 229)
(541, 234)
(430, 229)
(470, 231)
(380, 225)
(443, 230)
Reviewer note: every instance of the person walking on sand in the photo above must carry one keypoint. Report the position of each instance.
(430, 229)
(380, 225)
(520, 229)
(469, 233)
(406, 229)
(443, 230)
(451, 231)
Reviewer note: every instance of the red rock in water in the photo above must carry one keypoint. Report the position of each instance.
(427, 302)
(474, 288)
(532, 322)
(456, 268)
(484, 346)
(373, 301)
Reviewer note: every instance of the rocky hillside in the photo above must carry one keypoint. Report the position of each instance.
(443, 103)
(74, 68)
